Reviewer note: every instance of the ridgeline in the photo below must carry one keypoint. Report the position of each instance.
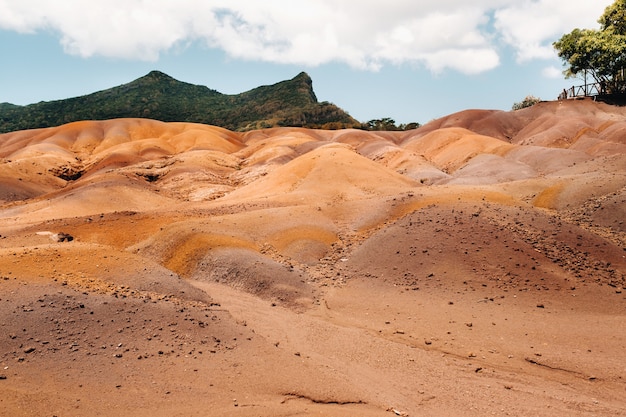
(161, 97)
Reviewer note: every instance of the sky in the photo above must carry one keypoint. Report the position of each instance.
(409, 60)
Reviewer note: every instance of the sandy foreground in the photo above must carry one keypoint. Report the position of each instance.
(475, 266)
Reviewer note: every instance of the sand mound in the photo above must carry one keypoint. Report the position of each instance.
(247, 270)
(324, 174)
(449, 148)
(494, 123)
(472, 266)
(90, 198)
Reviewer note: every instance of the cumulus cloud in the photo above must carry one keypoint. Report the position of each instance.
(552, 72)
(531, 26)
(367, 34)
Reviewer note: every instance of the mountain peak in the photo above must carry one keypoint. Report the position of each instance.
(303, 76)
(157, 74)
(155, 77)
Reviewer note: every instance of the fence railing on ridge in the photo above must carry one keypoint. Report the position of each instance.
(585, 90)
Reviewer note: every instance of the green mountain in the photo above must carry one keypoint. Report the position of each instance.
(161, 97)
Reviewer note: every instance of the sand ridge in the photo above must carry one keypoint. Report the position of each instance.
(473, 266)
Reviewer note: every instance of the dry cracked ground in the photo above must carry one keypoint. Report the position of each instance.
(474, 266)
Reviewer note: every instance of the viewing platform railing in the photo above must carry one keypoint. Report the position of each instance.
(586, 90)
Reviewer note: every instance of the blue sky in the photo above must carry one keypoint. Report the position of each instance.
(411, 60)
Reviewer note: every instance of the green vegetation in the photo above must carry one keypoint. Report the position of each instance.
(7, 106)
(599, 53)
(161, 97)
(527, 102)
(387, 123)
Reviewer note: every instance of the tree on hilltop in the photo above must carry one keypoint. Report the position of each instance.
(388, 124)
(527, 102)
(600, 53)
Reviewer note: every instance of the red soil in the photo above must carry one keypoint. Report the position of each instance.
(475, 266)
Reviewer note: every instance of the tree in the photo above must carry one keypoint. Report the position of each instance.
(409, 126)
(600, 53)
(527, 102)
(614, 17)
(386, 123)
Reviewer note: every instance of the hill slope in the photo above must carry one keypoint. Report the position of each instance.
(474, 266)
(159, 96)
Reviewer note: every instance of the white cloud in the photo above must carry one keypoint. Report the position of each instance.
(531, 26)
(367, 34)
(552, 72)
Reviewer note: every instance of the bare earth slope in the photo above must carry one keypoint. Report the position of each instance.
(475, 266)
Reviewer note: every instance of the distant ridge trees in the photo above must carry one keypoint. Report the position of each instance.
(387, 123)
